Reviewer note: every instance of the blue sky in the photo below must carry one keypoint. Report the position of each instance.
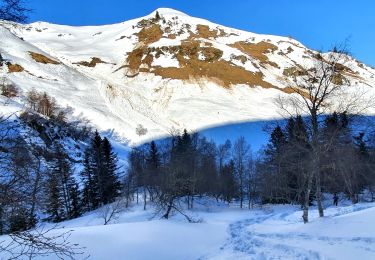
(318, 24)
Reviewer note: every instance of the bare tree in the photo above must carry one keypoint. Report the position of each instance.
(141, 130)
(223, 152)
(318, 89)
(45, 105)
(40, 242)
(173, 188)
(251, 180)
(8, 89)
(110, 212)
(32, 99)
(13, 10)
(240, 156)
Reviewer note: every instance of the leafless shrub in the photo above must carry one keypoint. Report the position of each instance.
(111, 212)
(141, 130)
(40, 243)
(9, 90)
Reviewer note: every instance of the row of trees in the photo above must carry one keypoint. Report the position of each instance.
(187, 166)
(99, 177)
(44, 104)
(345, 164)
(7, 89)
(184, 167)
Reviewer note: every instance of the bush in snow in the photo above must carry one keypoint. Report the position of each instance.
(9, 90)
(141, 130)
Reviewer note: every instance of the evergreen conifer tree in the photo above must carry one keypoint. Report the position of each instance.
(90, 186)
(110, 183)
(62, 184)
(54, 203)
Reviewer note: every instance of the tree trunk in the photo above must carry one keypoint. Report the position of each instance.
(241, 191)
(354, 198)
(318, 193)
(1, 221)
(319, 196)
(316, 161)
(35, 190)
(306, 203)
(188, 201)
(166, 215)
(144, 198)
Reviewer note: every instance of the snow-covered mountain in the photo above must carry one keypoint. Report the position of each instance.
(162, 71)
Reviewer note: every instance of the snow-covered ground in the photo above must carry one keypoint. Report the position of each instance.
(270, 232)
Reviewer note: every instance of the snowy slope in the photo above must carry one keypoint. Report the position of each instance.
(175, 71)
(271, 232)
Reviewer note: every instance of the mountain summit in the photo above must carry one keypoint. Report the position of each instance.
(162, 71)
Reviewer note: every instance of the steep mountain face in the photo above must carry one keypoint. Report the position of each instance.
(167, 70)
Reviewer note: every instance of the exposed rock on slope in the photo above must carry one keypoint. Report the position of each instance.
(161, 71)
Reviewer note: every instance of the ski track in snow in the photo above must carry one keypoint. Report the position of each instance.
(246, 243)
(255, 245)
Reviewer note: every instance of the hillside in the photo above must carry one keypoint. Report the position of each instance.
(160, 72)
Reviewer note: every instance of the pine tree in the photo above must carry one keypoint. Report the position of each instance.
(297, 151)
(96, 160)
(361, 145)
(152, 167)
(207, 170)
(363, 170)
(153, 157)
(342, 170)
(228, 185)
(136, 170)
(277, 142)
(184, 161)
(19, 220)
(110, 183)
(100, 177)
(90, 186)
(63, 184)
(54, 203)
(75, 211)
(273, 169)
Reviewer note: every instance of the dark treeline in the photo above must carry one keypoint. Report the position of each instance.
(346, 161)
(188, 166)
(183, 167)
